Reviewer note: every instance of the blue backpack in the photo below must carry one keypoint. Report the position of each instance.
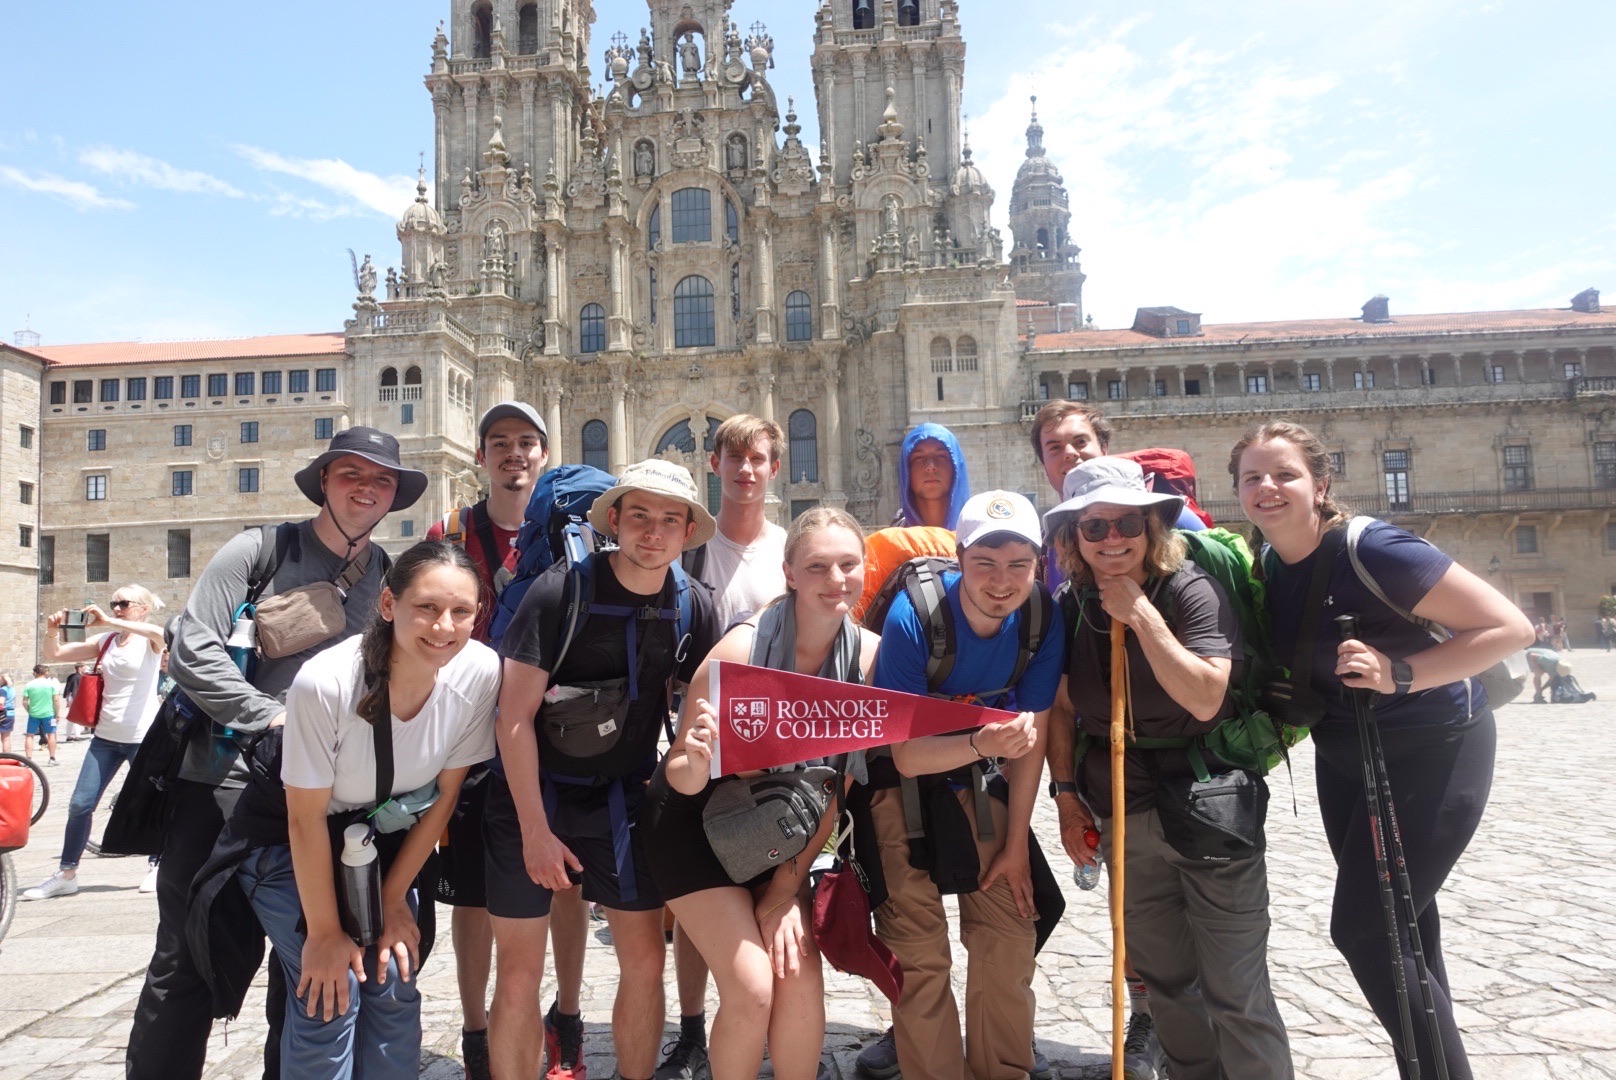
(555, 527)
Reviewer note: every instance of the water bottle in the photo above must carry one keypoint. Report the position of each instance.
(360, 892)
(1087, 875)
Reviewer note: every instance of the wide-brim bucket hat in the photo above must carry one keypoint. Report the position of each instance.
(1111, 481)
(656, 477)
(374, 446)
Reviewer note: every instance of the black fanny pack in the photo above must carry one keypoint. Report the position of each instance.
(1218, 820)
(586, 719)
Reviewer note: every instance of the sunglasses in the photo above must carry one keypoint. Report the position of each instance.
(117, 605)
(1127, 526)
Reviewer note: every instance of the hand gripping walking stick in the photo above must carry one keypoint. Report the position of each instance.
(1119, 812)
(1388, 840)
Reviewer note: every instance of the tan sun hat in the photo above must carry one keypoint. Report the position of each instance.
(656, 477)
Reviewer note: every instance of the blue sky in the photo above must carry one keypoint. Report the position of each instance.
(179, 171)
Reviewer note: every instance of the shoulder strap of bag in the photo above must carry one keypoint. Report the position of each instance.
(930, 600)
(580, 589)
(273, 544)
(1355, 530)
(102, 655)
(381, 733)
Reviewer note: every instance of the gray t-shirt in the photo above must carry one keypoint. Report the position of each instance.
(202, 666)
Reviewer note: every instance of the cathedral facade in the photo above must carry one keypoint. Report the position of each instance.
(643, 263)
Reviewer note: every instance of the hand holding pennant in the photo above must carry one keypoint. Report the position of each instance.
(768, 717)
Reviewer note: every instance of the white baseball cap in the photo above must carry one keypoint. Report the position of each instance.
(998, 512)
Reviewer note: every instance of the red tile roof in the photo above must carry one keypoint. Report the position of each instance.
(152, 352)
(1344, 330)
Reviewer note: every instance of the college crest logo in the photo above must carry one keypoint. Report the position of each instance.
(1001, 510)
(749, 717)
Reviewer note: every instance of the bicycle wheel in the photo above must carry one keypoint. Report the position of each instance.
(8, 893)
(41, 786)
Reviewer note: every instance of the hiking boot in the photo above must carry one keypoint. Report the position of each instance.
(474, 1053)
(1142, 1057)
(563, 1046)
(879, 1060)
(685, 1059)
(1040, 1066)
(55, 885)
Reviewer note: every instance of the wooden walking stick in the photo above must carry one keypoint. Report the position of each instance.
(1119, 807)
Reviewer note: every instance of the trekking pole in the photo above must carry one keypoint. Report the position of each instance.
(1119, 809)
(1362, 703)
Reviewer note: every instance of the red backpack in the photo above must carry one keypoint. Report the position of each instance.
(1170, 472)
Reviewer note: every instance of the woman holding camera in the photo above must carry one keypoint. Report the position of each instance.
(129, 650)
(354, 1010)
(1435, 723)
(757, 935)
(1197, 928)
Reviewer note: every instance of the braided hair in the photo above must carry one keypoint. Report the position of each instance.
(376, 647)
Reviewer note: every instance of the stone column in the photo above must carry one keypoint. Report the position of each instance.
(832, 370)
(829, 308)
(552, 292)
(1425, 371)
(614, 269)
(765, 279)
(1329, 373)
(1301, 375)
(440, 143)
(1272, 386)
(766, 382)
(553, 393)
(1211, 380)
(951, 76)
(468, 94)
(617, 437)
(1150, 382)
(1458, 369)
(1240, 377)
(1183, 391)
(1520, 364)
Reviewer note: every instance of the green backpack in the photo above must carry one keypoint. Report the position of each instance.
(1251, 738)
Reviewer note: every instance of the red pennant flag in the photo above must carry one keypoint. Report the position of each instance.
(768, 717)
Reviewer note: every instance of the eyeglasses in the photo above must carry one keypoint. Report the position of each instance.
(119, 604)
(1127, 526)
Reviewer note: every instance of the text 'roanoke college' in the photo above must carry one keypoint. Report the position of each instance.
(820, 719)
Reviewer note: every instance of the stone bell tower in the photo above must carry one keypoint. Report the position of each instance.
(1043, 262)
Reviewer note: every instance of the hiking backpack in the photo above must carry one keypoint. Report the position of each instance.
(555, 528)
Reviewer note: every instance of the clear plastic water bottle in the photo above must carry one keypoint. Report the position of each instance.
(1087, 875)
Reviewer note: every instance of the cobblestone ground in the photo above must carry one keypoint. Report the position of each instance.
(1530, 932)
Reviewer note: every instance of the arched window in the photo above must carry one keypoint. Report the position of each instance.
(864, 14)
(1043, 243)
(591, 328)
(692, 215)
(389, 376)
(595, 445)
(412, 384)
(942, 356)
(693, 313)
(678, 437)
(799, 317)
(527, 29)
(482, 31)
(388, 385)
(802, 430)
(965, 353)
(908, 12)
(732, 222)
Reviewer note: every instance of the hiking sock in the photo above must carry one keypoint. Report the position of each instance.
(1138, 997)
(693, 1029)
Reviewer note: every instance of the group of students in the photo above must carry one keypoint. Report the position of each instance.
(537, 777)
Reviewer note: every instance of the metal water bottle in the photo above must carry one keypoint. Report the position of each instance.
(360, 891)
(1087, 875)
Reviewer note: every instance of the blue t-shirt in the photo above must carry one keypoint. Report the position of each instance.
(982, 664)
(1406, 567)
(6, 701)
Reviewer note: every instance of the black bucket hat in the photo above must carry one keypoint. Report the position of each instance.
(372, 445)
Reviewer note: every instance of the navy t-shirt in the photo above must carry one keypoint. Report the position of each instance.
(1406, 567)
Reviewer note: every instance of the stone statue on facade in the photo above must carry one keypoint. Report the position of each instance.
(392, 283)
(367, 280)
(690, 57)
(735, 152)
(644, 159)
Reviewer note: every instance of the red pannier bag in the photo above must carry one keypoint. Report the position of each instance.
(16, 803)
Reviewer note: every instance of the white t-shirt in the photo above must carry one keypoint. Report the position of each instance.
(745, 577)
(328, 745)
(129, 690)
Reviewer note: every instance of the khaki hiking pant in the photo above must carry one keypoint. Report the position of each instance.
(998, 942)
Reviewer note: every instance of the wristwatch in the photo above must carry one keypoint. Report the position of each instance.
(1402, 676)
(1061, 787)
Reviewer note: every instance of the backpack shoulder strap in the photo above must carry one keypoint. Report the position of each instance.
(1036, 615)
(580, 590)
(924, 586)
(1355, 530)
(273, 544)
(685, 603)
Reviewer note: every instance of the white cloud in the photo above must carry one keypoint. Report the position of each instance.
(138, 168)
(388, 195)
(1203, 177)
(75, 193)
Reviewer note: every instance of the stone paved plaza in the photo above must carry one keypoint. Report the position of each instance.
(1530, 930)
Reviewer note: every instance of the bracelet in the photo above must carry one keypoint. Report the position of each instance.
(776, 907)
(972, 740)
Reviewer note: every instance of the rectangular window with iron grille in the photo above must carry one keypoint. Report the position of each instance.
(1605, 464)
(1526, 540)
(218, 385)
(97, 439)
(1517, 468)
(182, 482)
(47, 559)
(97, 557)
(1396, 463)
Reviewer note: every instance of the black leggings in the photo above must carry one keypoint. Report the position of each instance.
(1440, 779)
